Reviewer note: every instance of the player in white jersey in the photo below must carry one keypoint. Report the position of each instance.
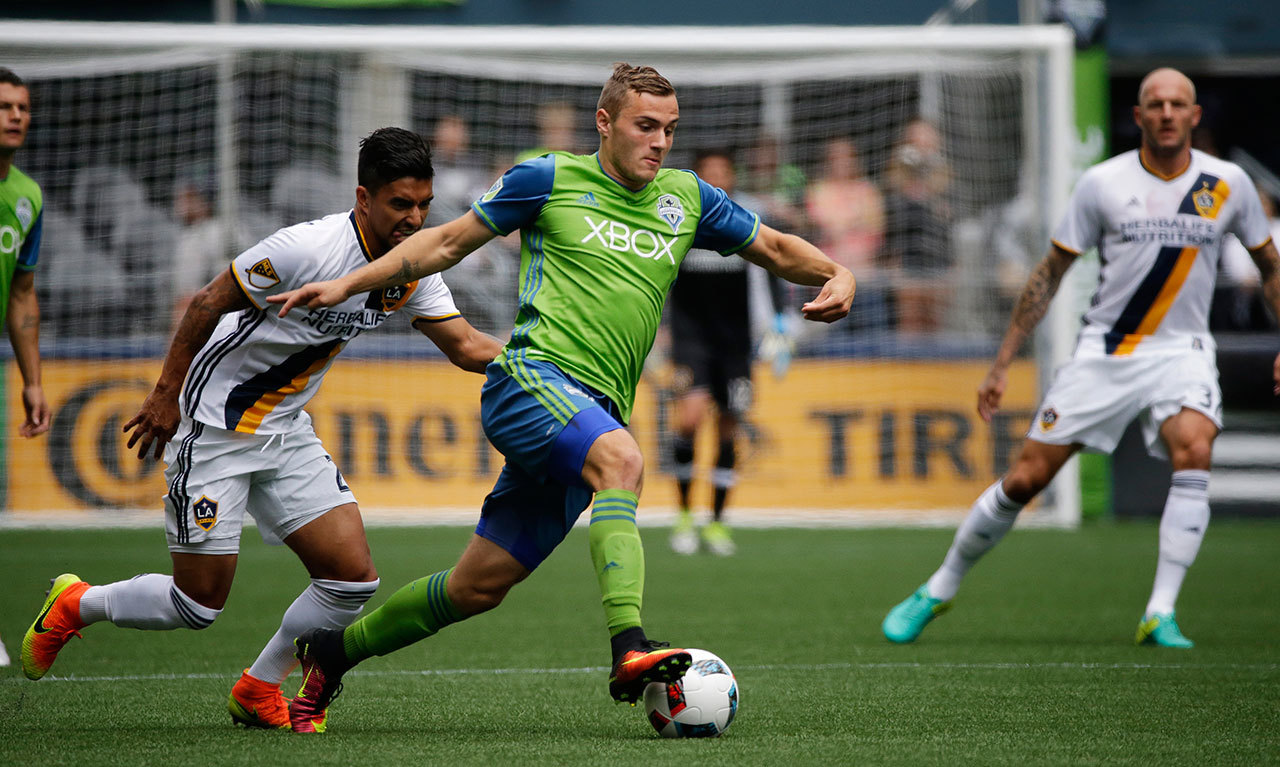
(227, 412)
(1157, 216)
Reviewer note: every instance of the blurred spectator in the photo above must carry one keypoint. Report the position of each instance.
(138, 239)
(204, 245)
(917, 244)
(460, 177)
(1010, 235)
(778, 186)
(306, 190)
(200, 250)
(847, 210)
(1237, 299)
(556, 131)
(484, 284)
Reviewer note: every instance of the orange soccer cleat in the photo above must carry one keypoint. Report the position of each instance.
(58, 621)
(259, 704)
(637, 669)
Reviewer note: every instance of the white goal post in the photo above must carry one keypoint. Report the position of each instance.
(135, 126)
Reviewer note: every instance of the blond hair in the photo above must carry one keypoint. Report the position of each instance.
(628, 79)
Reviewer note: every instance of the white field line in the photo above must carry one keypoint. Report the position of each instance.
(766, 667)
(650, 516)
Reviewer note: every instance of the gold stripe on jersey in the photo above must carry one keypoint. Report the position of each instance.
(252, 418)
(441, 318)
(1064, 248)
(1154, 296)
(360, 239)
(1162, 303)
(1142, 160)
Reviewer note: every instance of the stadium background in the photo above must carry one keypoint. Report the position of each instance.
(816, 434)
(1035, 666)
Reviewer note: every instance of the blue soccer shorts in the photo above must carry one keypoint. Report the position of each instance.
(544, 422)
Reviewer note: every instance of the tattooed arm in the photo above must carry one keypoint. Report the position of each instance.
(1268, 260)
(1040, 289)
(157, 419)
(428, 251)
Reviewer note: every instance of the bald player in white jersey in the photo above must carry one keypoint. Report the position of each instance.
(1157, 216)
(227, 412)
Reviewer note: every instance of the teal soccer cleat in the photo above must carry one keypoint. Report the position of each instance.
(1161, 630)
(905, 622)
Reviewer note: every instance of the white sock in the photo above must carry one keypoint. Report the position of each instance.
(324, 604)
(990, 518)
(150, 602)
(1182, 527)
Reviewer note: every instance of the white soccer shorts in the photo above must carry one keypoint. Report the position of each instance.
(215, 476)
(1093, 399)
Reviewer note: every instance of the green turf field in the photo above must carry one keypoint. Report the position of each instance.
(1033, 666)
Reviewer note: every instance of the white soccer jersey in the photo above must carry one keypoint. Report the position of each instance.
(1159, 240)
(257, 370)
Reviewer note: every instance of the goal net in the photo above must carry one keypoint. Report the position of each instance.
(930, 160)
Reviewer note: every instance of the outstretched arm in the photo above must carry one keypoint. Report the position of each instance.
(157, 419)
(796, 260)
(1040, 289)
(465, 346)
(24, 334)
(1268, 260)
(426, 252)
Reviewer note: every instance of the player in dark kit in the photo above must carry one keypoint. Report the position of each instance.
(710, 322)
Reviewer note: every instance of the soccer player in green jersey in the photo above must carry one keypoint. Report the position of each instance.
(602, 238)
(21, 204)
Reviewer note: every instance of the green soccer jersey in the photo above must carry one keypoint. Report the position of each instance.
(597, 260)
(21, 205)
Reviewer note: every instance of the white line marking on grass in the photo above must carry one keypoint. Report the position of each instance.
(651, 516)
(765, 667)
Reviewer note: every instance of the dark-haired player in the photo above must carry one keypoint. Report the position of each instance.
(227, 412)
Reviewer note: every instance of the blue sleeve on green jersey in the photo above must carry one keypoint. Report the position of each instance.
(30, 252)
(725, 227)
(516, 199)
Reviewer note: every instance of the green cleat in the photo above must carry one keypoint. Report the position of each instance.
(717, 539)
(905, 622)
(684, 538)
(1162, 630)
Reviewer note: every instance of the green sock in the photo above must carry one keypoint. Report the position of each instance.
(415, 612)
(618, 557)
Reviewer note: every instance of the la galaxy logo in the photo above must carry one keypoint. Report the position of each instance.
(1204, 198)
(393, 297)
(671, 211)
(205, 512)
(262, 275)
(1207, 200)
(1048, 419)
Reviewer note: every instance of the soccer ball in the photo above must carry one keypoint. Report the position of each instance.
(701, 704)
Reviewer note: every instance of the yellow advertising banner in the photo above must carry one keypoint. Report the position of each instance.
(844, 434)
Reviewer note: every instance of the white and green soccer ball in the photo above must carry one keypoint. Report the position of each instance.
(701, 704)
